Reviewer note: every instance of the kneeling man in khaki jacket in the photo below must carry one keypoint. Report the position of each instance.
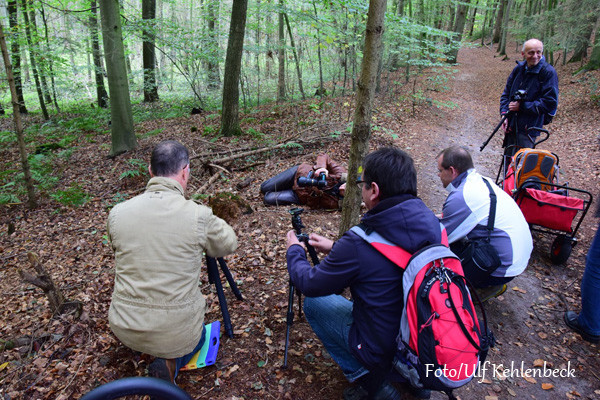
(159, 238)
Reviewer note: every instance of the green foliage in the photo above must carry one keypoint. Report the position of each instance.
(153, 132)
(138, 168)
(7, 137)
(72, 196)
(7, 194)
(42, 171)
(254, 133)
(116, 199)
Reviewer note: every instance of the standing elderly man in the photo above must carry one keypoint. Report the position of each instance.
(465, 216)
(158, 238)
(361, 334)
(537, 107)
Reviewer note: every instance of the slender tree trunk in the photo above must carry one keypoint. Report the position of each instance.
(281, 55)
(50, 63)
(505, 22)
(361, 129)
(35, 39)
(230, 122)
(101, 94)
(122, 135)
(459, 27)
(32, 201)
(321, 91)
(499, 18)
(148, 52)
(15, 51)
(298, 72)
(214, 78)
(257, 56)
(32, 58)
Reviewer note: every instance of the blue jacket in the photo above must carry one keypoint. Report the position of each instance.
(541, 84)
(375, 282)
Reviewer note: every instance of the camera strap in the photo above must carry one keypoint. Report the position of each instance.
(492, 212)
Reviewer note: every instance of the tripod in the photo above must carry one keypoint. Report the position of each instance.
(303, 237)
(214, 278)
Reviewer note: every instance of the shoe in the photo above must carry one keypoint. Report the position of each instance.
(385, 392)
(416, 392)
(490, 292)
(571, 319)
(162, 369)
(356, 392)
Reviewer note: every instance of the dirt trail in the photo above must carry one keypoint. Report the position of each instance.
(524, 334)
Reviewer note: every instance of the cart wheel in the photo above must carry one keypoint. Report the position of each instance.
(560, 249)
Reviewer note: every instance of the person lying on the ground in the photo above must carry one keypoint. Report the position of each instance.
(361, 334)
(465, 215)
(324, 188)
(158, 239)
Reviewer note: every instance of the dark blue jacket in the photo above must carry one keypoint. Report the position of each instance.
(541, 84)
(375, 282)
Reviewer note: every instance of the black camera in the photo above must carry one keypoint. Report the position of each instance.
(308, 180)
(519, 95)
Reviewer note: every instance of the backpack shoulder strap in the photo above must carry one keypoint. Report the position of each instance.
(392, 252)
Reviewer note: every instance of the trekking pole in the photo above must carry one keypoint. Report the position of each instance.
(303, 237)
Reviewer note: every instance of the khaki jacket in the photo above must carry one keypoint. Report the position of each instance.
(159, 238)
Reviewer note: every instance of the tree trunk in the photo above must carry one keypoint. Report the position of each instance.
(32, 59)
(459, 26)
(499, 18)
(40, 63)
(281, 55)
(32, 201)
(230, 121)
(122, 134)
(148, 52)
(50, 63)
(321, 91)
(594, 62)
(214, 78)
(298, 72)
(15, 51)
(582, 38)
(505, 22)
(361, 129)
(101, 95)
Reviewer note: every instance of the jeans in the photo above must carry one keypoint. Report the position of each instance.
(330, 318)
(182, 361)
(589, 317)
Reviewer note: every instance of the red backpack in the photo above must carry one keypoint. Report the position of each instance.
(441, 342)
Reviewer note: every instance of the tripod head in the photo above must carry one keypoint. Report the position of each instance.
(297, 223)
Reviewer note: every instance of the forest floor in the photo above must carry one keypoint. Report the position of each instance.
(65, 357)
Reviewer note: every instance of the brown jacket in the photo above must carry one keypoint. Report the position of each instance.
(311, 195)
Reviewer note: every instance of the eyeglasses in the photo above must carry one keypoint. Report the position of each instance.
(359, 182)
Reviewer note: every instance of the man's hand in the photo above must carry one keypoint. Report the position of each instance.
(320, 171)
(292, 239)
(342, 189)
(320, 243)
(514, 106)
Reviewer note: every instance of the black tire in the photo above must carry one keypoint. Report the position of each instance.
(139, 385)
(560, 250)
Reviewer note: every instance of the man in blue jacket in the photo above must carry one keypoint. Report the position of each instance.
(540, 82)
(361, 334)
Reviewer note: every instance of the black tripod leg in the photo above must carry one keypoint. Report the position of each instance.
(289, 322)
(232, 283)
(213, 275)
